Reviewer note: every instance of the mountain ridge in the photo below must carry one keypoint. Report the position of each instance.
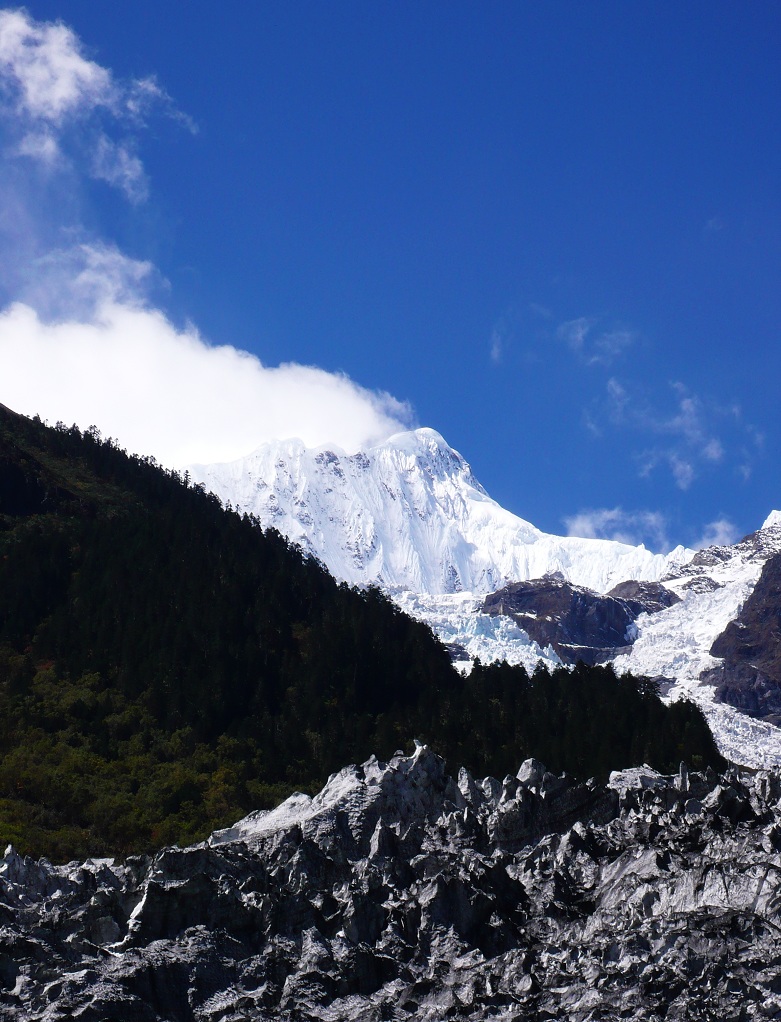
(409, 515)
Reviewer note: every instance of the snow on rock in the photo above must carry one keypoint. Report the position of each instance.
(408, 514)
(675, 643)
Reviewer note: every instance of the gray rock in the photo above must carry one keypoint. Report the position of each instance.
(399, 893)
(531, 773)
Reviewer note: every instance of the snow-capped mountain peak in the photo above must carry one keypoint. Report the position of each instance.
(408, 514)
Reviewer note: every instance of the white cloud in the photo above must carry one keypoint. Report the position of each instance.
(45, 72)
(633, 527)
(575, 331)
(165, 391)
(58, 102)
(721, 532)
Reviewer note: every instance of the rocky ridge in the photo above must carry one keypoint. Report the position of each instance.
(401, 893)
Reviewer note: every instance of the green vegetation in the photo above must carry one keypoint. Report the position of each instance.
(166, 666)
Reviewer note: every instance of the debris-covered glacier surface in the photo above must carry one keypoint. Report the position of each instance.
(401, 893)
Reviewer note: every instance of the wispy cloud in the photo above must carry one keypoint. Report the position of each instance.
(595, 346)
(503, 335)
(54, 101)
(117, 164)
(648, 527)
(688, 434)
(574, 332)
(610, 344)
(633, 527)
(497, 346)
(721, 532)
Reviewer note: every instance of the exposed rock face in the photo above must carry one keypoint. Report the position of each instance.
(577, 623)
(651, 596)
(399, 893)
(749, 677)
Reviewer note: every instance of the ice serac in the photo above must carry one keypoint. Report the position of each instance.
(409, 515)
(402, 893)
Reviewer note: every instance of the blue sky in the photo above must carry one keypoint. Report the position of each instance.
(550, 231)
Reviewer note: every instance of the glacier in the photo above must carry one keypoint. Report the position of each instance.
(402, 892)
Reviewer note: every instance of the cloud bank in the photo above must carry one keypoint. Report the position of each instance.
(165, 391)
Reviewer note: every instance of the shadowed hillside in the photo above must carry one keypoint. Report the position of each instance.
(165, 665)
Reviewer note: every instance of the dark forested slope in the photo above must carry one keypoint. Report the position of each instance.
(166, 665)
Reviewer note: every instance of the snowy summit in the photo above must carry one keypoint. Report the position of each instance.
(408, 514)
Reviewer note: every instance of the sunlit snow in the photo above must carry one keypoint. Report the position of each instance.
(408, 514)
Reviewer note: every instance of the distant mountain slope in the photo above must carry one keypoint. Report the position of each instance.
(166, 665)
(408, 514)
